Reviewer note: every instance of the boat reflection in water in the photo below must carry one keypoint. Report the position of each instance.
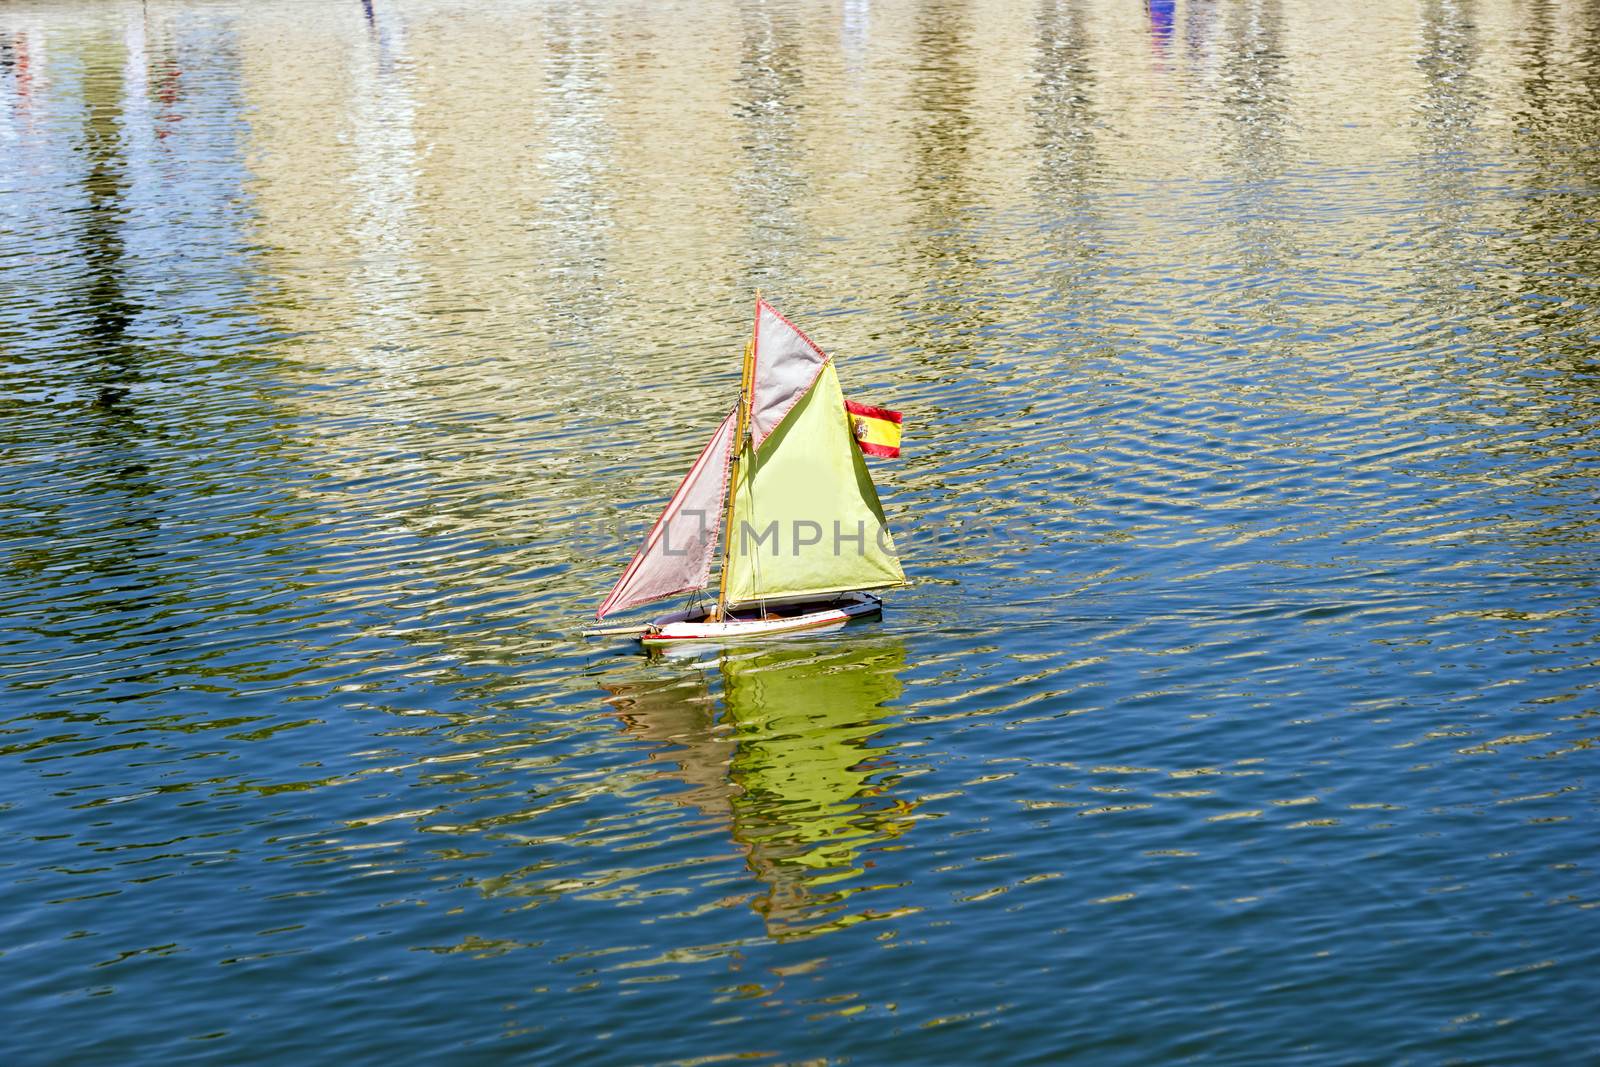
(782, 743)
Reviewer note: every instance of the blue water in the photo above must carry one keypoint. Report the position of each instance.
(1242, 706)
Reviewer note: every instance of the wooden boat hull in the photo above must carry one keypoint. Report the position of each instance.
(783, 620)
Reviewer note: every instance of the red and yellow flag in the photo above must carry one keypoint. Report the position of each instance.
(877, 430)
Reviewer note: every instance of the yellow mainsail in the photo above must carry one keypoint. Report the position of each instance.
(806, 516)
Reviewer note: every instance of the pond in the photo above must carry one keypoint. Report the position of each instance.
(1243, 701)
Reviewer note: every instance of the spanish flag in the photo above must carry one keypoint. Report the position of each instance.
(877, 430)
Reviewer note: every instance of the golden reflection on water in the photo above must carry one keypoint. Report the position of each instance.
(428, 191)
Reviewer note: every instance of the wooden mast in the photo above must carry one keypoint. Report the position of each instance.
(741, 430)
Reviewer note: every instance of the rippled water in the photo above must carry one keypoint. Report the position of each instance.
(1244, 702)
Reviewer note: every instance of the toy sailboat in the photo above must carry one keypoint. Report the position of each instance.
(782, 494)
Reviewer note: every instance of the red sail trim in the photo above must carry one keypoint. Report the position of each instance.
(667, 513)
(871, 412)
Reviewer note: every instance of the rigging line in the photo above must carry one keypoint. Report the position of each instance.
(755, 565)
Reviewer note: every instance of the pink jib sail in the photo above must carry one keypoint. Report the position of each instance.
(786, 366)
(676, 555)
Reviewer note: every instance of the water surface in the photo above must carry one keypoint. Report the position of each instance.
(1243, 703)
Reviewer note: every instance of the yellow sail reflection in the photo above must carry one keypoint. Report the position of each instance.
(790, 760)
